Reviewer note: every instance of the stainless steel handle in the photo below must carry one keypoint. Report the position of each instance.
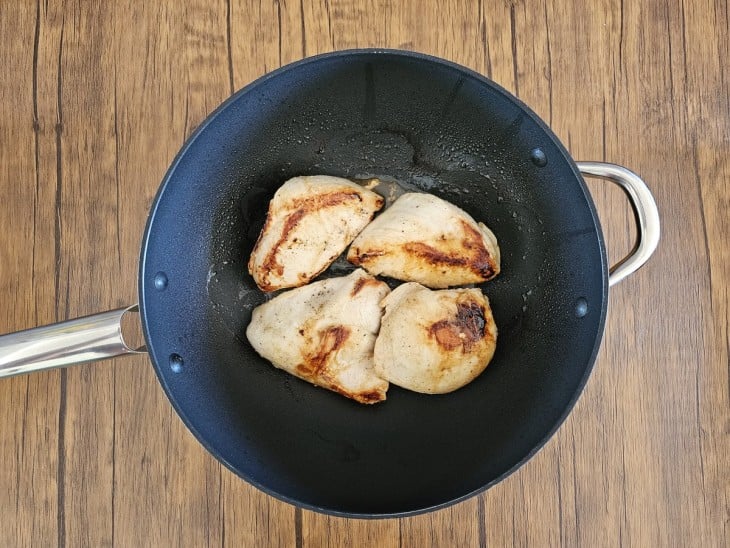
(645, 210)
(82, 340)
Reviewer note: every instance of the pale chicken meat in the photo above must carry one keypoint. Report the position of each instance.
(422, 238)
(311, 220)
(325, 333)
(434, 341)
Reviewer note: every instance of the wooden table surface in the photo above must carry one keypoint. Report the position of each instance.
(97, 97)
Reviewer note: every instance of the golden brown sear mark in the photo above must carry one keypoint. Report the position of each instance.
(361, 397)
(482, 261)
(313, 203)
(359, 258)
(362, 282)
(267, 222)
(314, 365)
(303, 207)
(368, 397)
(271, 264)
(433, 256)
(330, 340)
(472, 254)
(465, 330)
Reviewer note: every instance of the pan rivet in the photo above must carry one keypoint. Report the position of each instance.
(176, 363)
(537, 155)
(581, 307)
(160, 281)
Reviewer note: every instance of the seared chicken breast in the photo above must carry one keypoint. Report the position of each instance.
(422, 238)
(311, 220)
(434, 341)
(324, 333)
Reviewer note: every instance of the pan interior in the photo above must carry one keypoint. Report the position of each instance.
(428, 125)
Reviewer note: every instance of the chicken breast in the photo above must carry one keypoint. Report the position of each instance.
(311, 220)
(422, 238)
(434, 341)
(324, 333)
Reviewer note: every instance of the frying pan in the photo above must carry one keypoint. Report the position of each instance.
(427, 125)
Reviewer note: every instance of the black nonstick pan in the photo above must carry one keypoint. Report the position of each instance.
(423, 124)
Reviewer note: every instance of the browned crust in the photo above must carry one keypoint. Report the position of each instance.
(363, 282)
(251, 266)
(482, 262)
(301, 207)
(434, 256)
(472, 254)
(330, 340)
(465, 330)
(314, 366)
(270, 262)
(359, 258)
(370, 397)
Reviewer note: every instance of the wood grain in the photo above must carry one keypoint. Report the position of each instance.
(97, 97)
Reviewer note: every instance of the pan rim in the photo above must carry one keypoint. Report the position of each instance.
(354, 53)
